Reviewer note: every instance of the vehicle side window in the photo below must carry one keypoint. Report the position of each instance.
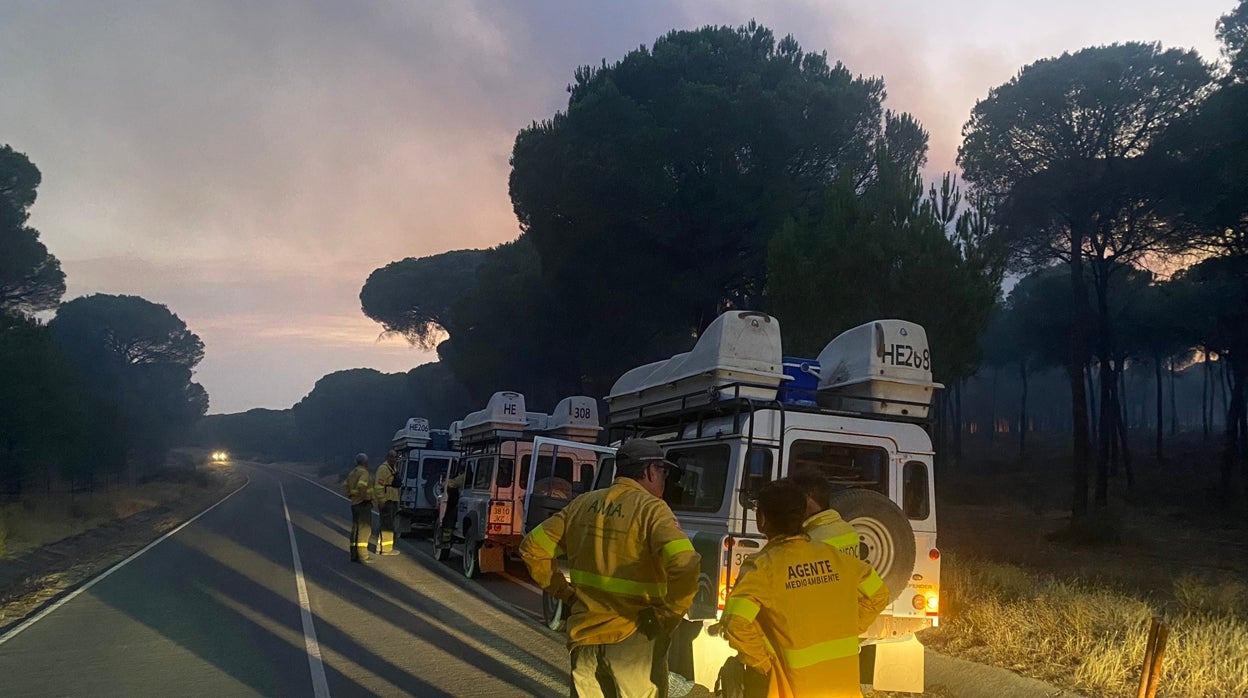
(914, 491)
(485, 470)
(842, 464)
(524, 470)
(757, 472)
(703, 481)
(431, 469)
(606, 474)
(586, 478)
(506, 468)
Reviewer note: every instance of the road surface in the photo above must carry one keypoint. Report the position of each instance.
(257, 596)
(218, 609)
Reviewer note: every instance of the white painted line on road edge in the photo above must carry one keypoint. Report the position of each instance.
(74, 594)
(516, 580)
(320, 687)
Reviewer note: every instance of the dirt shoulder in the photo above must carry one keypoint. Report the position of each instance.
(35, 576)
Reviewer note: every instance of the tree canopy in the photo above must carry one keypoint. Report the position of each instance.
(141, 354)
(651, 200)
(31, 279)
(414, 297)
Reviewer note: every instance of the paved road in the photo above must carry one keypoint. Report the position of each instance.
(216, 610)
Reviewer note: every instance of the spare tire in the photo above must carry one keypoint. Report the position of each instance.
(885, 534)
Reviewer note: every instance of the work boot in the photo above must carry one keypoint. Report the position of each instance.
(389, 552)
(364, 560)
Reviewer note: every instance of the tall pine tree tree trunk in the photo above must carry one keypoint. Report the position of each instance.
(1022, 413)
(1160, 402)
(1205, 407)
(1075, 370)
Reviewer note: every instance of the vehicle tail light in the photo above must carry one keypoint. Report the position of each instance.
(933, 554)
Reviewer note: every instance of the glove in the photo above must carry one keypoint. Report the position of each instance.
(653, 622)
(648, 623)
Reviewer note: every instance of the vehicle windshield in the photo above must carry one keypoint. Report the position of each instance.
(704, 475)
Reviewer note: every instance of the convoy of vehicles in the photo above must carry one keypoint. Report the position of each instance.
(483, 502)
(734, 413)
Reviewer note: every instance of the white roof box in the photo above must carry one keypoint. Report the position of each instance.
(738, 347)
(882, 367)
(575, 419)
(414, 434)
(503, 413)
(456, 432)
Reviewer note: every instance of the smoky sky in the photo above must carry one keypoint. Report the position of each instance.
(248, 164)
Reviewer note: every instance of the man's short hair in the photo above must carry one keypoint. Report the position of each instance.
(815, 485)
(783, 504)
(361, 459)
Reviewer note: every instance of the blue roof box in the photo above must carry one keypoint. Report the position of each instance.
(804, 375)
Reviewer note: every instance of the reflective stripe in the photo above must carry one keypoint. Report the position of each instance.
(543, 541)
(674, 548)
(615, 585)
(845, 540)
(821, 652)
(362, 545)
(742, 608)
(871, 584)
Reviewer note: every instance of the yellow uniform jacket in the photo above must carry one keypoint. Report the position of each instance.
(357, 487)
(626, 553)
(828, 527)
(795, 614)
(385, 488)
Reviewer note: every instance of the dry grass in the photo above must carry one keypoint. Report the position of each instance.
(1090, 637)
(41, 519)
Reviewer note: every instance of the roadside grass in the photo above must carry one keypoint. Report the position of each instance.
(40, 519)
(1089, 636)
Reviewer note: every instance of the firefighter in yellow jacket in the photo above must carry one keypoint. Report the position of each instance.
(824, 523)
(359, 490)
(386, 495)
(633, 573)
(798, 606)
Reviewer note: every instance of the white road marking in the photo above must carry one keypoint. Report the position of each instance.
(74, 594)
(320, 687)
(516, 580)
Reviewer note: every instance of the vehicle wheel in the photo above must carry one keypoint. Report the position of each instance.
(469, 554)
(884, 531)
(554, 615)
(440, 551)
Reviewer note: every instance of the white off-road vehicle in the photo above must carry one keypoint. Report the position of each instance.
(483, 511)
(735, 414)
(425, 457)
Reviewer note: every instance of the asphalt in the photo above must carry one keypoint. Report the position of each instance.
(214, 609)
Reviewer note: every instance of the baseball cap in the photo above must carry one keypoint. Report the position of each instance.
(638, 452)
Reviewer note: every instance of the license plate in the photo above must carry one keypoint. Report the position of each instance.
(500, 513)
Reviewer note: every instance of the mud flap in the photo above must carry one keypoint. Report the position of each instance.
(492, 557)
(893, 665)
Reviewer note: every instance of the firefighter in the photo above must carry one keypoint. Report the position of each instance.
(798, 607)
(824, 523)
(633, 573)
(359, 490)
(386, 495)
